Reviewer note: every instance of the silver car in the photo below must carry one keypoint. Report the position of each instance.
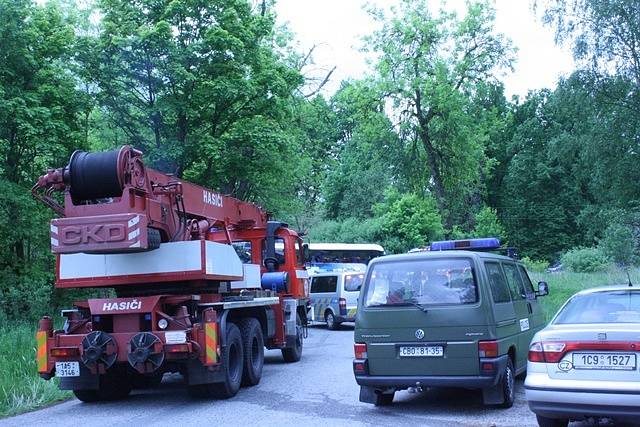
(585, 363)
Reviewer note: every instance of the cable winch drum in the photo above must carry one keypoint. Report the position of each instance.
(95, 175)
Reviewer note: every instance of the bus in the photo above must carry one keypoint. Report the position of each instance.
(344, 253)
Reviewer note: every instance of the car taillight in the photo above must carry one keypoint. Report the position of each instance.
(488, 348)
(546, 352)
(360, 350)
(64, 352)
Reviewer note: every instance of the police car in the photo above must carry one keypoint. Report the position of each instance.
(334, 292)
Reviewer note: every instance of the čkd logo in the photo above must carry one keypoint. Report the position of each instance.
(92, 233)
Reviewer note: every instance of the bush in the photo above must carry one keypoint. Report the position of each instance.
(586, 260)
(619, 244)
(413, 220)
(488, 225)
(537, 266)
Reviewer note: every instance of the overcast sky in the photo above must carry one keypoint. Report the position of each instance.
(337, 27)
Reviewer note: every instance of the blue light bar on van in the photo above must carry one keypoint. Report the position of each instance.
(469, 244)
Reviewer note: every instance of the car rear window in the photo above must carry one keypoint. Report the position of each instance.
(353, 282)
(422, 282)
(601, 307)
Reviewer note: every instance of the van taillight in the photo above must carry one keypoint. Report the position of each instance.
(343, 306)
(360, 350)
(488, 348)
(546, 352)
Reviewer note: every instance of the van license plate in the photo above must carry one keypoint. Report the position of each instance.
(67, 369)
(606, 361)
(422, 351)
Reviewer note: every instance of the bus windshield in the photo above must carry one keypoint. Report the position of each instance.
(343, 252)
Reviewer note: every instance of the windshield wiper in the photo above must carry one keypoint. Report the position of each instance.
(403, 303)
(415, 304)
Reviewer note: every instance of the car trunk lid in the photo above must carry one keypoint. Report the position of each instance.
(593, 352)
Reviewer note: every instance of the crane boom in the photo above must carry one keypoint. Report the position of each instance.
(113, 203)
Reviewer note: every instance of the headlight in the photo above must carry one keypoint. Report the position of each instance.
(162, 323)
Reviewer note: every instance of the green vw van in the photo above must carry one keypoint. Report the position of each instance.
(452, 316)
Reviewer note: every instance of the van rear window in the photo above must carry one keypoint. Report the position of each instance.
(422, 282)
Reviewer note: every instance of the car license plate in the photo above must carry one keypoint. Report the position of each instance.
(67, 369)
(608, 361)
(421, 351)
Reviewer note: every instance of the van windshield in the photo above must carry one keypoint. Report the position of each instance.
(422, 282)
(353, 282)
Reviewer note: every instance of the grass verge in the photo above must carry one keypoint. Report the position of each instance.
(21, 389)
(564, 284)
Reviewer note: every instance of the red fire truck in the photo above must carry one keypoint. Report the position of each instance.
(198, 283)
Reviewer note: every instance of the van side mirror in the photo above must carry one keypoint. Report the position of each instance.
(543, 289)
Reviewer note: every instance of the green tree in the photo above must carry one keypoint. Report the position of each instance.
(41, 113)
(604, 34)
(201, 88)
(488, 225)
(409, 220)
(428, 66)
(40, 106)
(366, 153)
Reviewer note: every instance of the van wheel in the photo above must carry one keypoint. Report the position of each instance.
(508, 385)
(331, 321)
(384, 399)
(551, 422)
(253, 345)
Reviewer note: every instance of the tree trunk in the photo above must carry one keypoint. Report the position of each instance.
(434, 172)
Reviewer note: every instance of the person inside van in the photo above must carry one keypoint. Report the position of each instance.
(380, 289)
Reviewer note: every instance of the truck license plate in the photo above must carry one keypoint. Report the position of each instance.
(67, 369)
(607, 361)
(421, 351)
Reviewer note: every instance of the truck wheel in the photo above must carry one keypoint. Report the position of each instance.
(113, 385)
(508, 385)
(253, 345)
(551, 422)
(293, 354)
(331, 321)
(231, 363)
(384, 399)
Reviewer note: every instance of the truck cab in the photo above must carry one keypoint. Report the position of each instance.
(451, 318)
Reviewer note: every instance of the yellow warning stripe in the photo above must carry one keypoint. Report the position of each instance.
(41, 355)
(211, 343)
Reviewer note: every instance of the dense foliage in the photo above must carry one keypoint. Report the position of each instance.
(425, 147)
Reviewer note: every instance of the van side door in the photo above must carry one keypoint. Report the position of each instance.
(523, 309)
(323, 291)
(503, 310)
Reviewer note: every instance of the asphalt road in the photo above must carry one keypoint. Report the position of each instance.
(317, 391)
